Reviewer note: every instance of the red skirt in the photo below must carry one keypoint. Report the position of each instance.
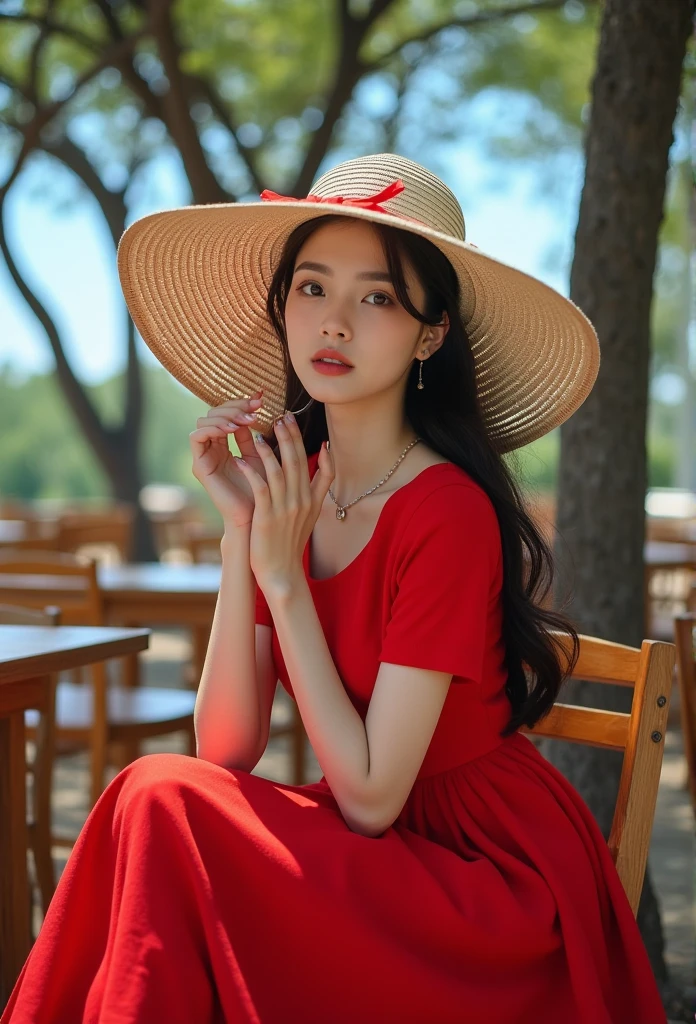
(197, 895)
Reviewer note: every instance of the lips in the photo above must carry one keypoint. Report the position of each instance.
(326, 353)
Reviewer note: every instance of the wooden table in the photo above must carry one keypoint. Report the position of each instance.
(163, 594)
(146, 594)
(28, 656)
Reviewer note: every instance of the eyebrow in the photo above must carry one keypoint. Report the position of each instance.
(366, 275)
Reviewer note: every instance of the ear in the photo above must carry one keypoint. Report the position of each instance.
(433, 337)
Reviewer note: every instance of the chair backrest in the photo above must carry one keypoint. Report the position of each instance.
(203, 543)
(86, 529)
(677, 529)
(685, 637)
(640, 735)
(35, 579)
(16, 615)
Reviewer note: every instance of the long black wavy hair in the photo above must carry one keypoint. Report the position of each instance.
(446, 414)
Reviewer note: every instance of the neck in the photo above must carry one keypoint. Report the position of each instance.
(364, 449)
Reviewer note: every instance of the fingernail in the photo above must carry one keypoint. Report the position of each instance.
(260, 439)
(232, 426)
(248, 416)
(289, 418)
(254, 401)
(240, 462)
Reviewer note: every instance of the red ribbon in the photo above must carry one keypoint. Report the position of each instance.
(366, 203)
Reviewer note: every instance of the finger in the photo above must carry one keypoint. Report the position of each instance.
(301, 451)
(232, 416)
(200, 440)
(275, 477)
(217, 421)
(259, 487)
(243, 404)
(290, 464)
(321, 481)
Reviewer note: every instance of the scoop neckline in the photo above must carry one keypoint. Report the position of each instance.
(358, 557)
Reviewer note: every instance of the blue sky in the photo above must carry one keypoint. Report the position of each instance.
(69, 259)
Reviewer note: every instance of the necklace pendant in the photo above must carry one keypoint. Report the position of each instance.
(340, 513)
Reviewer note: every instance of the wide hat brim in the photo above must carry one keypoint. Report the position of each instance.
(195, 280)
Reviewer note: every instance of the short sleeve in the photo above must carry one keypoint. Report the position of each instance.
(446, 575)
(263, 612)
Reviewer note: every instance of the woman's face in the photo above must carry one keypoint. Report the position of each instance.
(341, 298)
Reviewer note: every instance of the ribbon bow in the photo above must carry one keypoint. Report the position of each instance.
(366, 203)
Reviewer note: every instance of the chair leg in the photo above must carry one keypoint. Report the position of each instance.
(40, 845)
(40, 828)
(98, 733)
(123, 753)
(298, 737)
(191, 740)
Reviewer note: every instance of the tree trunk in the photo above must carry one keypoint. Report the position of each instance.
(603, 469)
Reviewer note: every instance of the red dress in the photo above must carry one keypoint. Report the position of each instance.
(196, 894)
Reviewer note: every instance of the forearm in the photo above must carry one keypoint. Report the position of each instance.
(335, 729)
(227, 712)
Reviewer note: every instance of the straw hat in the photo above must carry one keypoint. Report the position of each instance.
(196, 279)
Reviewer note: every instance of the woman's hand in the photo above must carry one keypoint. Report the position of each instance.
(286, 507)
(215, 467)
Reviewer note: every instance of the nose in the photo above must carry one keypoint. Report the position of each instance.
(336, 325)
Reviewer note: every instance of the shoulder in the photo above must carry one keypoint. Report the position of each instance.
(446, 521)
(450, 495)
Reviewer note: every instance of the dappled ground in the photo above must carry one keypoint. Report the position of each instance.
(672, 851)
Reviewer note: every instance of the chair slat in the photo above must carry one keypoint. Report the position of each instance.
(593, 726)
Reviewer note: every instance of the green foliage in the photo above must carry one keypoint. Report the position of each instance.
(44, 454)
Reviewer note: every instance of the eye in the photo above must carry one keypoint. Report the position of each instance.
(379, 295)
(310, 284)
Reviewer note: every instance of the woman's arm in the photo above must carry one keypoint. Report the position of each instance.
(372, 765)
(235, 695)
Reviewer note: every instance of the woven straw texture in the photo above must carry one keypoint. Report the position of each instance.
(196, 279)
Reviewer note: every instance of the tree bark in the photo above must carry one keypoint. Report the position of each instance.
(603, 468)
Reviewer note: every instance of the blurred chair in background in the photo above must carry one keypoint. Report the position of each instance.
(685, 639)
(203, 543)
(106, 534)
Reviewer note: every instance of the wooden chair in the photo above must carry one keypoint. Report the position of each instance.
(640, 735)
(104, 718)
(112, 527)
(670, 529)
(685, 638)
(202, 543)
(41, 768)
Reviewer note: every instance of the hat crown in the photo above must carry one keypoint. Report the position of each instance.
(425, 197)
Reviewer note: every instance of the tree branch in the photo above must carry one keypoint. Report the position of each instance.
(137, 84)
(349, 68)
(55, 28)
(177, 109)
(32, 132)
(473, 21)
(210, 93)
(113, 207)
(75, 393)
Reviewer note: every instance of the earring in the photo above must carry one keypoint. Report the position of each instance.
(420, 385)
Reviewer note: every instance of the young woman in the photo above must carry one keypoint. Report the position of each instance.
(442, 871)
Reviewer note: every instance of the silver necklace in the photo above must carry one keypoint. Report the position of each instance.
(341, 509)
